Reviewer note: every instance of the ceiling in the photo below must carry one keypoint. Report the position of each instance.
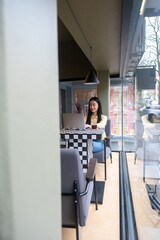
(105, 30)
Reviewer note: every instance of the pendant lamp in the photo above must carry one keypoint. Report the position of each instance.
(91, 78)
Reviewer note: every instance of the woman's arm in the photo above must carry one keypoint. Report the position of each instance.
(103, 122)
(146, 122)
(88, 126)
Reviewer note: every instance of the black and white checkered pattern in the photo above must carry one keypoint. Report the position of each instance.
(81, 145)
(82, 140)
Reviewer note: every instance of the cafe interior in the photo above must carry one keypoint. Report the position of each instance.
(48, 49)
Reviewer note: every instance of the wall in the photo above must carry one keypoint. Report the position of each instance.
(30, 199)
(103, 91)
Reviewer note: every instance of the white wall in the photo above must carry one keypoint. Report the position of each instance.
(30, 199)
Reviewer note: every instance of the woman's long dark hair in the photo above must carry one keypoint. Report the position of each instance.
(99, 111)
(150, 117)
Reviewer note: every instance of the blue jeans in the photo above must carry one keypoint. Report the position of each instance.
(98, 145)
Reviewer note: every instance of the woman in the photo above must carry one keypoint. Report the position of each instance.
(95, 117)
(151, 133)
(150, 121)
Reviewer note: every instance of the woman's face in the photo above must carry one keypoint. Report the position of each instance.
(93, 106)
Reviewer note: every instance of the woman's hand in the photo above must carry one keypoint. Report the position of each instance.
(88, 126)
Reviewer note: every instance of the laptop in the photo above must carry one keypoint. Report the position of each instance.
(74, 121)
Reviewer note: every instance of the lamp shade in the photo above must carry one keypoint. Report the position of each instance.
(91, 78)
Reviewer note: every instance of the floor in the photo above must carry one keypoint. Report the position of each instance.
(104, 223)
(147, 219)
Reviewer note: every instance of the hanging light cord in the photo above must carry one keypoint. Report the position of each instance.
(91, 53)
(80, 28)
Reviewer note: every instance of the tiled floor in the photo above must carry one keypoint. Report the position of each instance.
(104, 223)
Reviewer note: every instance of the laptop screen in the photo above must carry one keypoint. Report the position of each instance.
(73, 121)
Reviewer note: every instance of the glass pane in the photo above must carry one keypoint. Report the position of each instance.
(115, 116)
(128, 110)
(81, 98)
(128, 114)
(144, 164)
(128, 117)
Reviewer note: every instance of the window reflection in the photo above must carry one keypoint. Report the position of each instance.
(81, 98)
